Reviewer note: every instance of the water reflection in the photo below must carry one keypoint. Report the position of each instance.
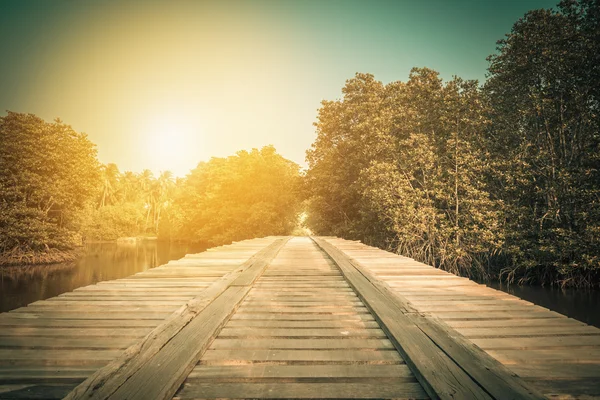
(21, 285)
(581, 304)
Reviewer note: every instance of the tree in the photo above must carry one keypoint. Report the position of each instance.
(110, 184)
(48, 175)
(543, 91)
(401, 166)
(350, 133)
(251, 194)
(431, 193)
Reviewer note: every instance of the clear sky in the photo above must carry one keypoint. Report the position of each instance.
(166, 84)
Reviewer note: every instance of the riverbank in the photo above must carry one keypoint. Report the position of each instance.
(50, 256)
(16, 256)
(23, 284)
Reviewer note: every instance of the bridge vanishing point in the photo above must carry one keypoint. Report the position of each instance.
(294, 317)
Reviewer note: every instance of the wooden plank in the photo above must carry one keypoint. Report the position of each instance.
(303, 317)
(395, 390)
(485, 315)
(71, 331)
(238, 355)
(303, 310)
(538, 343)
(23, 357)
(577, 388)
(28, 342)
(558, 370)
(494, 323)
(115, 315)
(317, 343)
(35, 391)
(300, 333)
(303, 324)
(44, 375)
(529, 331)
(257, 303)
(584, 355)
(155, 367)
(211, 372)
(8, 321)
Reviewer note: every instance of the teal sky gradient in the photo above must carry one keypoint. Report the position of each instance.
(230, 74)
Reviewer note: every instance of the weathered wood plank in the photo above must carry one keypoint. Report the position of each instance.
(29, 342)
(300, 333)
(34, 391)
(537, 343)
(237, 355)
(298, 343)
(211, 372)
(303, 324)
(397, 390)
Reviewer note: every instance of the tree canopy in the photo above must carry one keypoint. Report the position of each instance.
(54, 194)
(495, 181)
(251, 194)
(48, 175)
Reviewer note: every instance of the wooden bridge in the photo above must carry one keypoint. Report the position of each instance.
(294, 318)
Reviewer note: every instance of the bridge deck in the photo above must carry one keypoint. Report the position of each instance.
(297, 318)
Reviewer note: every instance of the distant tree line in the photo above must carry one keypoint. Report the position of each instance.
(55, 195)
(251, 194)
(501, 180)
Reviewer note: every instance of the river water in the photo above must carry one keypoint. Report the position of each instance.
(581, 304)
(21, 285)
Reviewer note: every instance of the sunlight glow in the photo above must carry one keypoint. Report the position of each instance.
(171, 142)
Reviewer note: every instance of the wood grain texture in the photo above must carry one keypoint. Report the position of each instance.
(156, 366)
(65, 339)
(466, 371)
(300, 335)
(537, 344)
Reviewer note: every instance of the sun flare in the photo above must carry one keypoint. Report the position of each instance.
(170, 142)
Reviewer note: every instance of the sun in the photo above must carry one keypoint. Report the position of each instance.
(168, 143)
(171, 142)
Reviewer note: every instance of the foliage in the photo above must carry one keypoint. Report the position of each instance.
(128, 204)
(48, 174)
(350, 133)
(114, 221)
(400, 166)
(251, 194)
(502, 180)
(543, 91)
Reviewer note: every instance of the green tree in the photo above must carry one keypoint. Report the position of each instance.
(430, 190)
(110, 184)
(49, 174)
(251, 194)
(350, 133)
(543, 90)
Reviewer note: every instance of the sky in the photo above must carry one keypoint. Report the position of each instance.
(164, 85)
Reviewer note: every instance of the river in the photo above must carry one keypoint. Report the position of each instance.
(21, 285)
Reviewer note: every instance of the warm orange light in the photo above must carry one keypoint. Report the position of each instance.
(171, 141)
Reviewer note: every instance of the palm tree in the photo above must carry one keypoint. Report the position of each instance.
(146, 179)
(110, 181)
(163, 186)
